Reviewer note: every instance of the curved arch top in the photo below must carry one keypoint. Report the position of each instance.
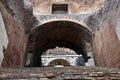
(55, 62)
(80, 23)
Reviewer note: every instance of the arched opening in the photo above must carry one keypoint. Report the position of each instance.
(58, 62)
(60, 54)
(57, 33)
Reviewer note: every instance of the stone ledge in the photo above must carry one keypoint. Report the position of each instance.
(65, 73)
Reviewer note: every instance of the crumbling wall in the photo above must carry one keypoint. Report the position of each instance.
(18, 18)
(106, 42)
(17, 21)
(74, 6)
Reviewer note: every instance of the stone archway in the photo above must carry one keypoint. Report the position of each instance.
(61, 62)
(58, 33)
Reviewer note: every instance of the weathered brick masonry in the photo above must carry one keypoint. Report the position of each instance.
(67, 73)
(36, 29)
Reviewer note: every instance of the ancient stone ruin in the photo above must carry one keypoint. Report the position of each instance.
(59, 39)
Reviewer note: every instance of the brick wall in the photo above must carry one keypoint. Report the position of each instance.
(66, 73)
